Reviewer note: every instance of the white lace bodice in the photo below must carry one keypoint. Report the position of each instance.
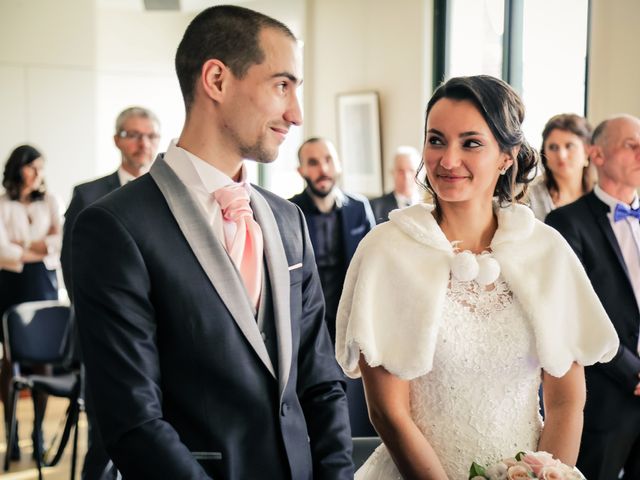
(479, 402)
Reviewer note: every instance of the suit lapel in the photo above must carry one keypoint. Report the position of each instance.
(600, 211)
(392, 203)
(113, 181)
(279, 277)
(211, 255)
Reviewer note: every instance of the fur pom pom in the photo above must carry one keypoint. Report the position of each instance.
(489, 269)
(464, 266)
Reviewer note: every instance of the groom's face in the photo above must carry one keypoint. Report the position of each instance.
(262, 106)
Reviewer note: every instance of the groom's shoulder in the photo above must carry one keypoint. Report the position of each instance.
(133, 203)
(277, 204)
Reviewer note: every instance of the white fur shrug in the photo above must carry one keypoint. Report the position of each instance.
(396, 284)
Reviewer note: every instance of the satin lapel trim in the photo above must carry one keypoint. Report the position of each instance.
(280, 287)
(211, 255)
(600, 210)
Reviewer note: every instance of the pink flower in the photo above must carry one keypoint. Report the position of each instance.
(551, 473)
(537, 460)
(519, 471)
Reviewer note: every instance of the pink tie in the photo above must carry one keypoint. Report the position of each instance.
(243, 237)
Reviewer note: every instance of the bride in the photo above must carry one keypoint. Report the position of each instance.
(454, 313)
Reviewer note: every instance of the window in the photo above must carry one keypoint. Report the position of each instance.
(538, 46)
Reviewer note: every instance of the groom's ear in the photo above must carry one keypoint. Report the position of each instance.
(213, 77)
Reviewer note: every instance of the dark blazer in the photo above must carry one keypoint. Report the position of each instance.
(83, 196)
(182, 381)
(356, 216)
(381, 206)
(585, 225)
(356, 221)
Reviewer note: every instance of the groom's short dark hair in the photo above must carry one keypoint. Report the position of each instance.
(227, 33)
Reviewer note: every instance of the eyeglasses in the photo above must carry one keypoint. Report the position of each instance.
(137, 136)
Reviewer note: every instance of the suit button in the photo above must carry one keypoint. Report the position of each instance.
(284, 409)
(264, 336)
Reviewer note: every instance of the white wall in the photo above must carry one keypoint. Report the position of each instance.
(134, 55)
(359, 45)
(48, 85)
(62, 82)
(614, 69)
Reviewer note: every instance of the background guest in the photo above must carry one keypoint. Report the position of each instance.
(137, 132)
(603, 229)
(567, 174)
(29, 248)
(405, 192)
(337, 222)
(136, 136)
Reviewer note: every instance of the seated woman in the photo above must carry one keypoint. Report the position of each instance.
(454, 313)
(565, 157)
(30, 239)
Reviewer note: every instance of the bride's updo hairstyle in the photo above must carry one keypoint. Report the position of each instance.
(502, 109)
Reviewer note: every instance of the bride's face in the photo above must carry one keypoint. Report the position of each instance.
(462, 157)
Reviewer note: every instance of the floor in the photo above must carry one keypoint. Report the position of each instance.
(25, 469)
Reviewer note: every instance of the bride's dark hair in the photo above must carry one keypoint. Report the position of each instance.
(503, 110)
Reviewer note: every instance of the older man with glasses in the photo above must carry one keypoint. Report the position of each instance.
(136, 136)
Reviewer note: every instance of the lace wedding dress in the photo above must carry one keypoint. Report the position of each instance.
(480, 400)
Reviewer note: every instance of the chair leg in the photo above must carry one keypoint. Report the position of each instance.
(11, 430)
(37, 422)
(74, 451)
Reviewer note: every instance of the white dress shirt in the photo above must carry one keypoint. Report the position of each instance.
(627, 232)
(124, 176)
(202, 179)
(21, 224)
(403, 201)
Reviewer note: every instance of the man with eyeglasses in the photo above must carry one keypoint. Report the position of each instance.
(603, 229)
(136, 136)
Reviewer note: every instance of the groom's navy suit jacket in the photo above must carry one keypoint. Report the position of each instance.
(183, 383)
(585, 225)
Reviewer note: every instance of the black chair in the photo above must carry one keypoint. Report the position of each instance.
(43, 333)
(363, 447)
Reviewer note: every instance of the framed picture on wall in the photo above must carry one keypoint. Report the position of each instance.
(359, 143)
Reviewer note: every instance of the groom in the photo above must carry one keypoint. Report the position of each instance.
(200, 305)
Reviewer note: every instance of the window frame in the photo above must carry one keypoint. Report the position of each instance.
(512, 46)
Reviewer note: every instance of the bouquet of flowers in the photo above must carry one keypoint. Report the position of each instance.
(525, 466)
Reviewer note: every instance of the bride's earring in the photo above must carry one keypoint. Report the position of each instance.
(503, 170)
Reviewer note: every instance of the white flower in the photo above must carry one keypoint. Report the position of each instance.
(497, 471)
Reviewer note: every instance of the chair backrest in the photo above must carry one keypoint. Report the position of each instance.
(38, 332)
(363, 447)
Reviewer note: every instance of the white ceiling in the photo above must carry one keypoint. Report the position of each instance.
(139, 5)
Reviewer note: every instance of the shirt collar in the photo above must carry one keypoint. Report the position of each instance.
(209, 177)
(124, 177)
(612, 201)
(402, 200)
